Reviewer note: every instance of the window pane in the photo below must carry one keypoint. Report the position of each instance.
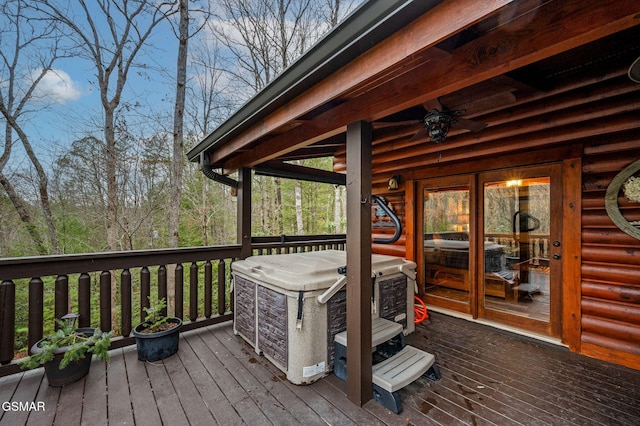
(446, 243)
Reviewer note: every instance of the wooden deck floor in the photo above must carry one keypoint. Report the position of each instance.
(489, 377)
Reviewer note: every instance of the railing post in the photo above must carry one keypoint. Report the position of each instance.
(125, 301)
(208, 278)
(105, 301)
(162, 285)
(61, 297)
(222, 281)
(7, 320)
(36, 310)
(193, 291)
(179, 308)
(84, 300)
(145, 291)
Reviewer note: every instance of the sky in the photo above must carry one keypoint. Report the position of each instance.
(66, 104)
(69, 107)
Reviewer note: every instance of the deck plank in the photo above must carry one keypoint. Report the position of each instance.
(238, 397)
(335, 393)
(273, 383)
(320, 405)
(142, 400)
(118, 395)
(270, 406)
(210, 381)
(547, 390)
(25, 392)
(171, 411)
(50, 397)
(529, 367)
(8, 386)
(217, 378)
(212, 396)
(69, 409)
(197, 412)
(94, 403)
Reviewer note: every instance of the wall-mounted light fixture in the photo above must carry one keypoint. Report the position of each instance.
(393, 183)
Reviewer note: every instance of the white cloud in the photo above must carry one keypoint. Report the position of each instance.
(56, 87)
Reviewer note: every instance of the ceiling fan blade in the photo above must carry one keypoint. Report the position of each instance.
(463, 123)
(432, 104)
(420, 134)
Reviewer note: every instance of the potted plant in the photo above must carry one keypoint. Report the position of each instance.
(64, 353)
(158, 336)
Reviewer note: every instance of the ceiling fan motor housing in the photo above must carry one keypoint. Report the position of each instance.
(437, 125)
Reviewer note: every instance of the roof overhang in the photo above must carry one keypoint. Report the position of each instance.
(372, 22)
(390, 58)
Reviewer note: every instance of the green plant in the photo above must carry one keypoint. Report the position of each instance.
(77, 345)
(154, 320)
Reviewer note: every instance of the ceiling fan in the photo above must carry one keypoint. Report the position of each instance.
(439, 120)
(445, 113)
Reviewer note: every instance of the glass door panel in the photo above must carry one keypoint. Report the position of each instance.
(446, 271)
(518, 234)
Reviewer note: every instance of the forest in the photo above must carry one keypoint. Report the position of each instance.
(100, 100)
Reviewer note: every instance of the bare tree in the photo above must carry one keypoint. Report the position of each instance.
(110, 34)
(211, 99)
(28, 54)
(264, 36)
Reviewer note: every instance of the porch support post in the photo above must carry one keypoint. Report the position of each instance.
(244, 212)
(359, 359)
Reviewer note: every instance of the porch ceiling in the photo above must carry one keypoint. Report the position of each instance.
(482, 57)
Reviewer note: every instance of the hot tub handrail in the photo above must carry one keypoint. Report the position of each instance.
(336, 287)
(398, 225)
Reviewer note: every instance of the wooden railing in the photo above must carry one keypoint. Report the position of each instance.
(293, 244)
(83, 284)
(538, 245)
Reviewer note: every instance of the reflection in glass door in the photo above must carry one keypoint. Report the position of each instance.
(446, 270)
(519, 236)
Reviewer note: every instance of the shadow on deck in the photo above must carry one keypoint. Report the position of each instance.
(489, 377)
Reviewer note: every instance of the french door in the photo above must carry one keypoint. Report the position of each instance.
(492, 246)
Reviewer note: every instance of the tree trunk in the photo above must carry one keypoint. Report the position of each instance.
(42, 188)
(299, 218)
(178, 142)
(25, 216)
(112, 203)
(337, 212)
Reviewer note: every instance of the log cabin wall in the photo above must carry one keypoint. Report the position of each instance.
(610, 258)
(595, 121)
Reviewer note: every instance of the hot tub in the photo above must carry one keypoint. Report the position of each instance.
(277, 311)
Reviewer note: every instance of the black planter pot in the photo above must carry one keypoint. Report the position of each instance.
(160, 345)
(73, 372)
